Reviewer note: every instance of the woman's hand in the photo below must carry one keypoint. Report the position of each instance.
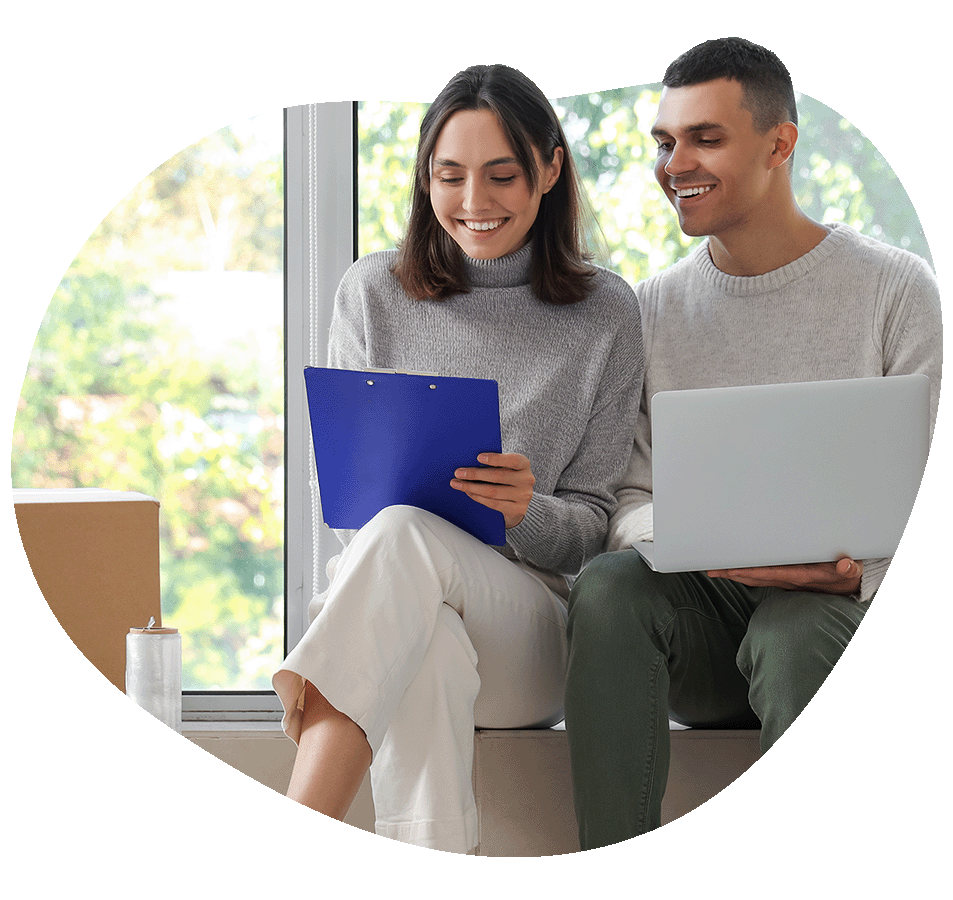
(842, 577)
(504, 482)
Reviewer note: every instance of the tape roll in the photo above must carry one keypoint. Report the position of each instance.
(154, 673)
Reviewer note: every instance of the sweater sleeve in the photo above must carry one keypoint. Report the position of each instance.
(562, 531)
(632, 520)
(912, 343)
(347, 341)
(912, 336)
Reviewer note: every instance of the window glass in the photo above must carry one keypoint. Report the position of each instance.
(839, 177)
(158, 368)
(386, 147)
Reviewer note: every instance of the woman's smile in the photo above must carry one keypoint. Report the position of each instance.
(489, 225)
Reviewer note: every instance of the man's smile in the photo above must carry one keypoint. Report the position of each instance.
(682, 193)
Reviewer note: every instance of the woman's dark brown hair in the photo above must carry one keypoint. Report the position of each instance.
(429, 262)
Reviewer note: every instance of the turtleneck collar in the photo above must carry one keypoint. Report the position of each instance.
(506, 271)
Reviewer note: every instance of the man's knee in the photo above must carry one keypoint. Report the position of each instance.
(612, 594)
(793, 642)
(613, 657)
(791, 629)
(792, 618)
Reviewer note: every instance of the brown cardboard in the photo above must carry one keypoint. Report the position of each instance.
(95, 556)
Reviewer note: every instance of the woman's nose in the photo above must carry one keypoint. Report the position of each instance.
(475, 196)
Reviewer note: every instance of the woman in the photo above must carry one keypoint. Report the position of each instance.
(425, 631)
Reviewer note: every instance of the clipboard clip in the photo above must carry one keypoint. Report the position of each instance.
(401, 372)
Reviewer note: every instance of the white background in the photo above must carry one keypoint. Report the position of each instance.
(100, 797)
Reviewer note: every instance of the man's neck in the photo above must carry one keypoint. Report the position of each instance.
(762, 250)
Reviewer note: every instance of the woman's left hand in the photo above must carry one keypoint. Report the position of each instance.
(504, 482)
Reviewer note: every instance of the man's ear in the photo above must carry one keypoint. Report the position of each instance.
(785, 137)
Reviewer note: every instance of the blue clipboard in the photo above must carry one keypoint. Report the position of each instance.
(388, 438)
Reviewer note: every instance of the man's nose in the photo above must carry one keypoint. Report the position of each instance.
(680, 160)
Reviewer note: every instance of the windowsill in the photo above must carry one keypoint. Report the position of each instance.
(239, 730)
(232, 730)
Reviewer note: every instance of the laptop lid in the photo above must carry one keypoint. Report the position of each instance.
(788, 473)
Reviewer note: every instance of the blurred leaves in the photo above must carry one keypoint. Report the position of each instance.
(839, 177)
(158, 366)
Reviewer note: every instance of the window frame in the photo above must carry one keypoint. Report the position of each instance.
(319, 187)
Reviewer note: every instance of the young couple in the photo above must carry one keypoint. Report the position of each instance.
(425, 632)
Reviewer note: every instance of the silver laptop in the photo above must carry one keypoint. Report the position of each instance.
(787, 473)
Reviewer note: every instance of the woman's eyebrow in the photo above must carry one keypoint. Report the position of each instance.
(501, 161)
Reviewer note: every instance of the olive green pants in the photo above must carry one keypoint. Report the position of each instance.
(709, 653)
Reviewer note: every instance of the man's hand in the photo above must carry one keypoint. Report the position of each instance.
(842, 577)
(505, 483)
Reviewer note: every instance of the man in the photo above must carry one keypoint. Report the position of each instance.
(772, 296)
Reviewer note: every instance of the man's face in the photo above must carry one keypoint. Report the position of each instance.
(712, 164)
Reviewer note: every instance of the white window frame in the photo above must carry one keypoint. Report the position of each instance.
(320, 244)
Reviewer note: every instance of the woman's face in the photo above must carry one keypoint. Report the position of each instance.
(478, 191)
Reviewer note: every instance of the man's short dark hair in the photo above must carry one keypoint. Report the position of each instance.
(768, 91)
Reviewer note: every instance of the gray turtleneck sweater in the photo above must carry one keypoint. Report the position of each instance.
(852, 307)
(569, 376)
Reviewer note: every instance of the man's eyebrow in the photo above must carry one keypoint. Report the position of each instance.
(703, 126)
(689, 129)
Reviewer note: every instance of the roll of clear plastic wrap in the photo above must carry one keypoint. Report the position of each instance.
(154, 672)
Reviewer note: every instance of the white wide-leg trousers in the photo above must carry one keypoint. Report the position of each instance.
(423, 634)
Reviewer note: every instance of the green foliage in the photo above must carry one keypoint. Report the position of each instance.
(387, 146)
(122, 392)
(211, 207)
(119, 394)
(842, 177)
(608, 132)
(839, 177)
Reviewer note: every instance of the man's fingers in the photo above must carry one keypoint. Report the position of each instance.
(848, 567)
(834, 578)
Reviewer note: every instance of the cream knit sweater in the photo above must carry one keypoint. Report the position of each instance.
(850, 308)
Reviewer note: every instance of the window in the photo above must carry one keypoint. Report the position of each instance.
(158, 368)
(839, 177)
(162, 362)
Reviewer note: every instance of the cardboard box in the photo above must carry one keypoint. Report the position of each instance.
(95, 556)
